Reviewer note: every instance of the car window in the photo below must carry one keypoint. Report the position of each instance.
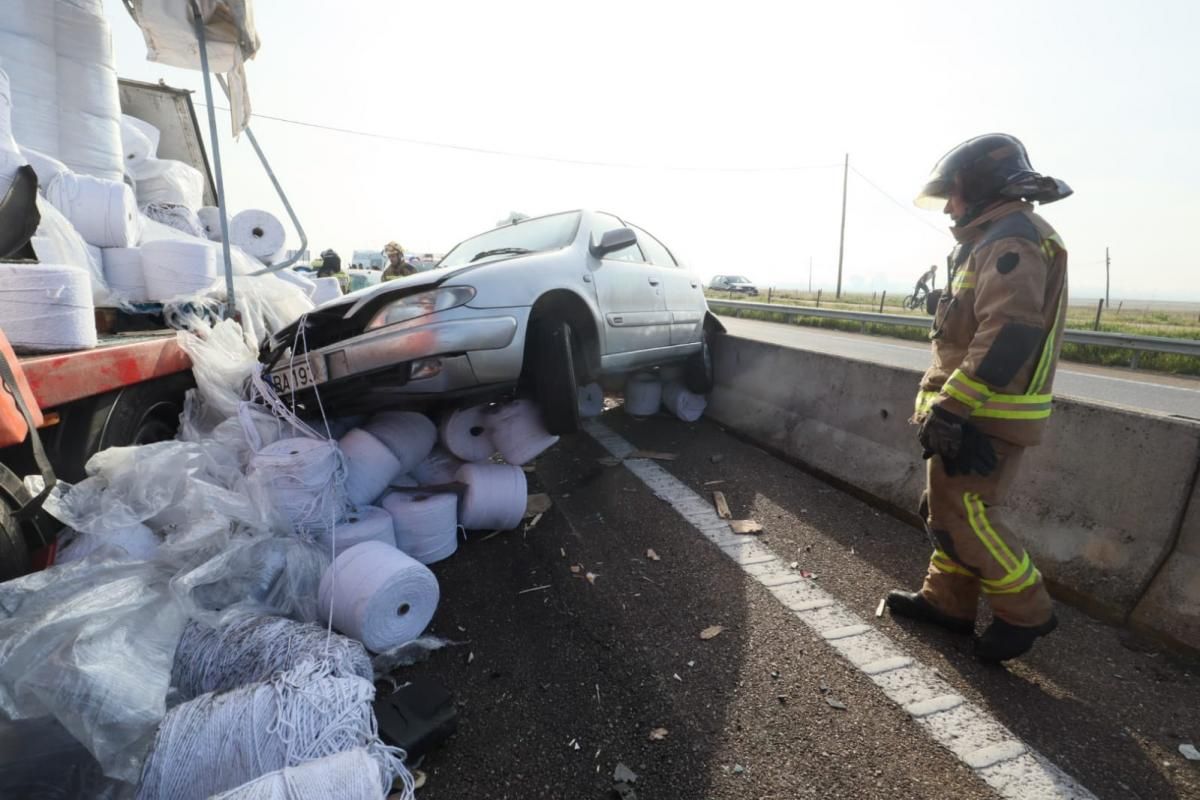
(607, 222)
(531, 235)
(655, 250)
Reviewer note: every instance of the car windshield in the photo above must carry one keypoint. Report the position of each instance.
(529, 236)
(738, 279)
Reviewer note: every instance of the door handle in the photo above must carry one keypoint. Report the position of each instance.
(653, 281)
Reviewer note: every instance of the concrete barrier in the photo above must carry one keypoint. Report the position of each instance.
(1171, 606)
(1099, 504)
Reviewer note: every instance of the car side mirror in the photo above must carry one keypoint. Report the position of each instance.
(611, 241)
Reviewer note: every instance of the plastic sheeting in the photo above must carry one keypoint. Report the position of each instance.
(168, 181)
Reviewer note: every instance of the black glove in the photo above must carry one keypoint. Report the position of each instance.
(962, 447)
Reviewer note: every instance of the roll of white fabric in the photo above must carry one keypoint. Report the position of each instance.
(177, 268)
(409, 435)
(304, 479)
(104, 212)
(495, 497)
(465, 435)
(177, 216)
(210, 218)
(517, 431)
(27, 56)
(139, 140)
(591, 400)
(362, 524)
(688, 406)
(379, 596)
(290, 276)
(426, 525)
(47, 167)
(325, 289)
(165, 180)
(349, 775)
(643, 395)
(124, 273)
(258, 232)
(47, 307)
(439, 467)
(370, 466)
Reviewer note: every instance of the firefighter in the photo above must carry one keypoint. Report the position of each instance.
(987, 396)
(397, 267)
(331, 267)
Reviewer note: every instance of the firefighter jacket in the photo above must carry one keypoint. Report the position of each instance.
(998, 329)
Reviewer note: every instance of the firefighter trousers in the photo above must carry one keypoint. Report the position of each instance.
(974, 550)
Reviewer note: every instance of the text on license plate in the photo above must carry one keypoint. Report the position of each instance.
(296, 377)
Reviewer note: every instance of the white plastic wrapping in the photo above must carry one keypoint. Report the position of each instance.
(591, 400)
(309, 287)
(168, 181)
(104, 212)
(325, 289)
(139, 141)
(46, 167)
(71, 249)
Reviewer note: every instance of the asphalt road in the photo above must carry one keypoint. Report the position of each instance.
(1145, 391)
(561, 677)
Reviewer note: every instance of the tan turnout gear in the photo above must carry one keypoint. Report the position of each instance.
(996, 339)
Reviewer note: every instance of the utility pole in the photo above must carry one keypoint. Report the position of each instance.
(842, 236)
(1107, 266)
(810, 274)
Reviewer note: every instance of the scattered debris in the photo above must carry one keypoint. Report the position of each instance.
(419, 779)
(576, 569)
(470, 657)
(533, 522)
(794, 565)
(775, 674)
(676, 677)
(711, 631)
(835, 703)
(623, 780)
(722, 505)
(691, 664)
(608, 461)
(1189, 752)
(528, 468)
(879, 608)
(717, 458)
(658, 734)
(591, 577)
(745, 526)
(738, 769)
(563, 551)
(653, 556)
(713, 483)
(537, 504)
(534, 589)
(806, 574)
(653, 454)
(782, 698)
(599, 703)
(492, 535)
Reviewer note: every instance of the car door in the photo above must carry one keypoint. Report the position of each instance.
(630, 294)
(683, 290)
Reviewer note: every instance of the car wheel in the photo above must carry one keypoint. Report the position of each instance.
(554, 378)
(698, 369)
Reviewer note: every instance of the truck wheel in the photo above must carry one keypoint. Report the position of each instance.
(698, 369)
(554, 384)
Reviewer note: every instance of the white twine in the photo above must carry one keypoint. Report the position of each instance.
(464, 434)
(47, 307)
(252, 648)
(305, 479)
(259, 233)
(591, 400)
(325, 289)
(495, 497)
(517, 431)
(350, 775)
(643, 394)
(220, 740)
(378, 595)
(104, 212)
(370, 466)
(438, 468)
(409, 435)
(177, 268)
(363, 524)
(688, 406)
(210, 218)
(426, 525)
(124, 273)
(175, 215)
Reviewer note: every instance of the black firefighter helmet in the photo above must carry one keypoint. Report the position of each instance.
(991, 167)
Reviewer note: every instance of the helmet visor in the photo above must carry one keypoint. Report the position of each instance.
(934, 193)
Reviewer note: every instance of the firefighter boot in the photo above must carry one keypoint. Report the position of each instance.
(914, 606)
(1003, 640)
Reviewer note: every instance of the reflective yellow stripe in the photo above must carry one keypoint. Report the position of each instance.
(971, 402)
(1025, 584)
(966, 390)
(1017, 406)
(925, 401)
(965, 279)
(1043, 368)
(978, 520)
(962, 377)
(946, 564)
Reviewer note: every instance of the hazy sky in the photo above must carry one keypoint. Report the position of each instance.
(732, 120)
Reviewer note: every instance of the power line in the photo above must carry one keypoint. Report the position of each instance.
(531, 156)
(907, 208)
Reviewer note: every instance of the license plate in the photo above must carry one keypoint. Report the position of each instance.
(301, 375)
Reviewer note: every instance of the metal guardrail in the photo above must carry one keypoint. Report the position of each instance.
(1124, 341)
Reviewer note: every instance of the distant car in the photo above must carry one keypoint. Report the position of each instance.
(733, 283)
(541, 307)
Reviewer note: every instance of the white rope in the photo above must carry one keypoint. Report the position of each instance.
(47, 307)
(177, 268)
(687, 406)
(517, 430)
(305, 480)
(259, 233)
(439, 467)
(495, 497)
(426, 525)
(370, 466)
(464, 434)
(591, 400)
(362, 524)
(350, 775)
(220, 740)
(252, 648)
(104, 212)
(643, 394)
(409, 435)
(378, 595)
(175, 215)
(124, 273)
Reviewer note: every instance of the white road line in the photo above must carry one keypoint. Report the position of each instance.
(976, 738)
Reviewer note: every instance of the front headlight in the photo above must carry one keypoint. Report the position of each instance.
(418, 305)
